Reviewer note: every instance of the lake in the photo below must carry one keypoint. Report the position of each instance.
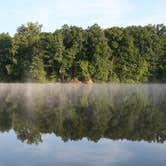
(82, 125)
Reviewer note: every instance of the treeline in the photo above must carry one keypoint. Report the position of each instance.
(131, 54)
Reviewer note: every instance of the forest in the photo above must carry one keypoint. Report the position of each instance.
(119, 54)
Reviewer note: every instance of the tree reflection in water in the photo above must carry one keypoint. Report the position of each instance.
(71, 111)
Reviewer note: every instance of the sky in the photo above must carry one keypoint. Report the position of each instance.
(55, 13)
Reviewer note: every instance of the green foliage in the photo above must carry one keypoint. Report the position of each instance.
(98, 53)
(36, 70)
(84, 75)
(131, 54)
(6, 57)
(26, 43)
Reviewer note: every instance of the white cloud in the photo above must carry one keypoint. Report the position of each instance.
(81, 13)
(86, 12)
(54, 13)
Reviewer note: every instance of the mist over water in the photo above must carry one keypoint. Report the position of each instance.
(110, 111)
(84, 118)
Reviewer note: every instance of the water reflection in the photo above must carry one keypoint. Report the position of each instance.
(74, 112)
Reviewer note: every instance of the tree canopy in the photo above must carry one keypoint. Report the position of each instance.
(131, 54)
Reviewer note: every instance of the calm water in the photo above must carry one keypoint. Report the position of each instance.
(77, 125)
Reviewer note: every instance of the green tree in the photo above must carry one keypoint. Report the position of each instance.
(36, 70)
(98, 54)
(7, 59)
(73, 39)
(26, 42)
(131, 54)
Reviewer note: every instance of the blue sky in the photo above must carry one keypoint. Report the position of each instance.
(55, 13)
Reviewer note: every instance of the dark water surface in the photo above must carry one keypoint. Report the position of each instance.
(77, 125)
